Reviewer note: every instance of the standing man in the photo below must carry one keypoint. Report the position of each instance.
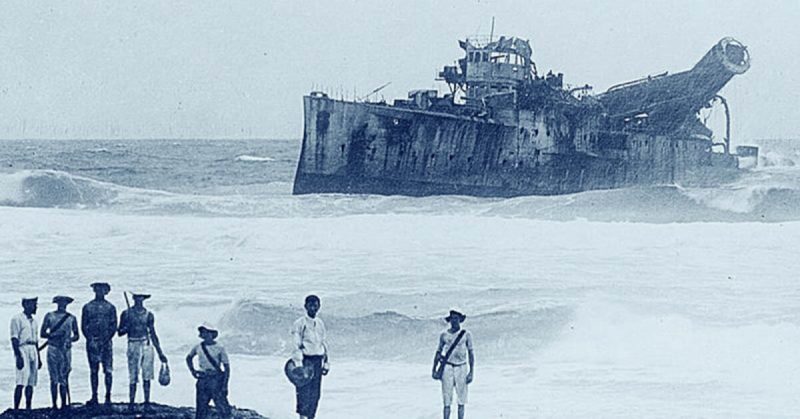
(25, 343)
(213, 373)
(98, 325)
(310, 339)
(451, 368)
(140, 325)
(60, 328)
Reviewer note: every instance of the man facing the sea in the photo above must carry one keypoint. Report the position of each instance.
(98, 325)
(140, 325)
(310, 338)
(60, 328)
(450, 362)
(24, 342)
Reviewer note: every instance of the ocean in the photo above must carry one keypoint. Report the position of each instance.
(644, 302)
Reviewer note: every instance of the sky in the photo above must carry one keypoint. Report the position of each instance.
(239, 69)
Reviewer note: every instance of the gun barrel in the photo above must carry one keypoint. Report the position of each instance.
(668, 100)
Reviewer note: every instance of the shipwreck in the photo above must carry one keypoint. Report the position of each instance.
(505, 130)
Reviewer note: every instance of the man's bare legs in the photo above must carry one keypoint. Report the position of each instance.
(17, 396)
(94, 378)
(28, 397)
(54, 394)
(146, 388)
(93, 372)
(446, 412)
(109, 382)
(132, 392)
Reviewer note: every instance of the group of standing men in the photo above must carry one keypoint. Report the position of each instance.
(98, 325)
(453, 363)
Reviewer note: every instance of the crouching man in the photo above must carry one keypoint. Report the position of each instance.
(213, 372)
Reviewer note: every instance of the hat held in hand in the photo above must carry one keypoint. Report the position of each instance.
(297, 371)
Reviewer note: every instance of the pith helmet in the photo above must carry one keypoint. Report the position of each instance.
(456, 312)
(207, 327)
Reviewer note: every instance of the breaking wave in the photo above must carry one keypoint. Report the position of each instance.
(768, 194)
(263, 329)
(775, 159)
(53, 189)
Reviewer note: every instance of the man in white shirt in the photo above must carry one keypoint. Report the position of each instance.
(454, 362)
(25, 342)
(309, 336)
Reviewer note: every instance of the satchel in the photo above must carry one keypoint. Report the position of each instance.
(163, 375)
(437, 375)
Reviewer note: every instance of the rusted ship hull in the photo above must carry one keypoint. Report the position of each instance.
(364, 148)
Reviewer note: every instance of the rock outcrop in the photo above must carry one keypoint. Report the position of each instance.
(121, 411)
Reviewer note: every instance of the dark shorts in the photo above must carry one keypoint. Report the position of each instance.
(308, 396)
(100, 353)
(211, 386)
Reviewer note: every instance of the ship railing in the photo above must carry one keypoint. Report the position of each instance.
(635, 82)
(480, 41)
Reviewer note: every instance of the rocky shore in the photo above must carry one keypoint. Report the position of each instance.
(121, 411)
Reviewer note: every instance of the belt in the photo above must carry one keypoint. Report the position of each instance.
(29, 344)
(455, 365)
(139, 340)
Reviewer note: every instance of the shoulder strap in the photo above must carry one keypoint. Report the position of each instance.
(302, 337)
(453, 346)
(210, 358)
(60, 322)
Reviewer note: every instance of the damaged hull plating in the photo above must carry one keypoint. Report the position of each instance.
(512, 137)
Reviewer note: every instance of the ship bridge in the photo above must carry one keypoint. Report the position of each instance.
(491, 68)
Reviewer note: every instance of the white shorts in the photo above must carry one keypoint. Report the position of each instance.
(140, 358)
(29, 374)
(454, 377)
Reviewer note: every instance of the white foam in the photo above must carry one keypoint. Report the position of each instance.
(11, 187)
(254, 159)
(663, 320)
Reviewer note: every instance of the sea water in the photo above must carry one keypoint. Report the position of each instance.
(642, 302)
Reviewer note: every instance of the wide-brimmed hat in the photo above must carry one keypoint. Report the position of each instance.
(207, 327)
(26, 300)
(456, 312)
(101, 285)
(140, 295)
(300, 375)
(62, 299)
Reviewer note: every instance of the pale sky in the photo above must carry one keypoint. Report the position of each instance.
(239, 69)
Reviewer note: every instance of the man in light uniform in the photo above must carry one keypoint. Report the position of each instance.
(99, 325)
(60, 328)
(25, 341)
(140, 325)
(457, 374)
(310, 338)
(213, 372)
